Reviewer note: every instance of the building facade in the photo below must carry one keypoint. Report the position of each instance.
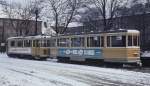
(139, 22)
(16, 27)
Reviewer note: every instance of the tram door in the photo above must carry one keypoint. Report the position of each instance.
(36, 48)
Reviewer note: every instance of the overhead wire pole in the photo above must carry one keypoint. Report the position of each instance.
(3, 39)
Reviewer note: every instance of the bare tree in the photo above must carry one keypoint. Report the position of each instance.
(62, 13)
(107, 9)
(24, 12)
(72, 4)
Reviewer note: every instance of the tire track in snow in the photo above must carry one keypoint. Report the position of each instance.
(79, 77)
(81, 74)
(101, 73)
(31, 73)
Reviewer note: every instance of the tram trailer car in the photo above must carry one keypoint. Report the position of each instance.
(32, 47)
(119, 46)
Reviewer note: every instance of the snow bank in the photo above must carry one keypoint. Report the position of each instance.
(146, 54)
(3, 55)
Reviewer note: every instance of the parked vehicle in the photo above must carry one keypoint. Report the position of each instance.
(145, 58)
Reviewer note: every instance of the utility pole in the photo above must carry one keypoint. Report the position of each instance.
(3, 39)
(36, 17)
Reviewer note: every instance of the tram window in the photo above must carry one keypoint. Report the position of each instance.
(63, 42)
(48, 43)
(93, 41)
(12, 43)
(129, 40)
(36, 43)
(108, 41)
(118, 41)
(53, 43)
(138, 41)
(102, 41)
(43, 43)
(135, 41)
(77, 42)
(27, 43)
(20, 44)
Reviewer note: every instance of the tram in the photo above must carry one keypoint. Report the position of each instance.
(118, 46)
(32, 47)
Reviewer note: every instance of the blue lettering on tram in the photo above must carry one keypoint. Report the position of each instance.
(89, 53)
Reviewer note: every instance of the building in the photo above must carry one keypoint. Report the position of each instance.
(17, 27)
(139, 22)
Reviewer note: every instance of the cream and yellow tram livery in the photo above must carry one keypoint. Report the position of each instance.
(32, 47)
(120, 46)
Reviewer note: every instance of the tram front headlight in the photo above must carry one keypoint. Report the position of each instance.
(135, 54)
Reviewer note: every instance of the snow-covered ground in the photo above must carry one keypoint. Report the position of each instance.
(19, 72)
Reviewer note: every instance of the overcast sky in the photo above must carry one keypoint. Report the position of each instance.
(17, 0)
(22, 1)
(11, 1)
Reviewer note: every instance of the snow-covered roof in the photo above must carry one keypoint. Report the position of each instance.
(52, 23)
(75, 24)
(82, 10)
(78, 17)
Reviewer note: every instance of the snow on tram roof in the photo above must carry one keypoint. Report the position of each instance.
(43, 36)
(30, 37)
(133, 31)
(123, 30)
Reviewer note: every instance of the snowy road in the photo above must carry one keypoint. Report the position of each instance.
(18, 72)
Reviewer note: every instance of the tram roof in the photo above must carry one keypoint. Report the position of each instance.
(122, 30)
(43, 36)
(29, 37)
(109, 31)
